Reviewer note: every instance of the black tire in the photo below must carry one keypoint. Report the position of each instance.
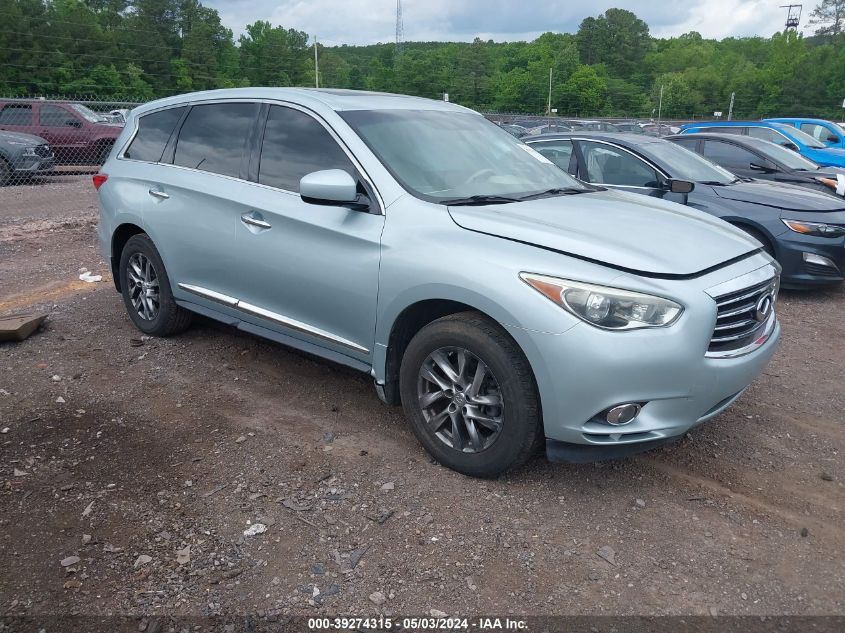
(521, 432)
(170, 318)
(757, 235)
(5, 173)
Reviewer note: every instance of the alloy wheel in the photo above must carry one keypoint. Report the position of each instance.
(143, 284)
(460, 399)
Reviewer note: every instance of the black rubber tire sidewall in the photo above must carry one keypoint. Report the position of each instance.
(171, 318)
(522, 432)
(5, 173)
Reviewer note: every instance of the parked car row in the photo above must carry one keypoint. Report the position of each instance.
(532, 127)
(76, 134)
(803, 228)
(504, 303)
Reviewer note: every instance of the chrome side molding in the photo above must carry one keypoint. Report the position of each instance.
(281, 319)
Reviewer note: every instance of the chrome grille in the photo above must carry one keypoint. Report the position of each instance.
(736, 322)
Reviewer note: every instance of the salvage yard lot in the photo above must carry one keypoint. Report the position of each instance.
(122, 450)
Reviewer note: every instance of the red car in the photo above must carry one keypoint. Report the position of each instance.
(76, 133)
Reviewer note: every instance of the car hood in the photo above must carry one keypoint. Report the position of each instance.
(622, 230)
(18, 137)
(780, 196)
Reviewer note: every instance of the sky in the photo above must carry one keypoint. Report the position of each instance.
(337, 22)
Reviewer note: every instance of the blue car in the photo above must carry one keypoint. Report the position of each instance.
(827, 132)
(778, 133)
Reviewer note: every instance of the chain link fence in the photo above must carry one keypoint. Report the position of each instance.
(48, 140)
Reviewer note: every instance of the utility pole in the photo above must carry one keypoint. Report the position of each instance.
(549, 108)
(659, 108)
(316, 65)
(731, 107)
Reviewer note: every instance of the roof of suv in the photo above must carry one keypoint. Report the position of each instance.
(336, 99)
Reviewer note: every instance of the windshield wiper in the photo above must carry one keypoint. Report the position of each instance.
(479, 200)
(558, 191)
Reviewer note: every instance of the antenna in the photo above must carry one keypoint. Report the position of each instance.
(793, 15)
(399, 28)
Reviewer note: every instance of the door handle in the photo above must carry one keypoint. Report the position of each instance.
(246, 218)
(155, 193)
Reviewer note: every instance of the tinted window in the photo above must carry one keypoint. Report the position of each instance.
(154, 131)
(16, 114)
(214, 136)
(724, 130)
(729, 155)
(612, 166)
(295, 145)
(559, 152)
(766, 134)
(54, 116)
(687, 143)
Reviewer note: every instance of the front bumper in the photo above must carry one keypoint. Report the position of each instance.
(28, 165)
(800, 273)
(585, 371)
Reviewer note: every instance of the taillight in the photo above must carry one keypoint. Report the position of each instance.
(99, 179)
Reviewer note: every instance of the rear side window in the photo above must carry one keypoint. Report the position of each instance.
(213, 137)
(728, 155)
(687, 143)
(725, 130)
(154, 131)
(295, 145)
(16, 114)
(55, 116)
(767, 134)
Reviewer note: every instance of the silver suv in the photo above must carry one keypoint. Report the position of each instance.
(503, 303)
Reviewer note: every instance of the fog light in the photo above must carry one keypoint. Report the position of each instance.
(812, 258)
(623, 414)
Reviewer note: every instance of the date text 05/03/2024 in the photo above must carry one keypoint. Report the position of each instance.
(418, 623)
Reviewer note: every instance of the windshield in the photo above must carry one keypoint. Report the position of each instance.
(786, 157)
(687, 165)
(88, 113)
(440, 156)
(798, 135)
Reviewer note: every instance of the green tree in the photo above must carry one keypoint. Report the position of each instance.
(829, 17)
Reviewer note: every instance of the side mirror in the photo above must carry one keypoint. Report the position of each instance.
(832, 139)
(331, 187)
(73, 123)
(791, 146)
(680, 186)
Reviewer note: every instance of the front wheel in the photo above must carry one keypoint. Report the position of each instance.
(146, 290)
(470, 395)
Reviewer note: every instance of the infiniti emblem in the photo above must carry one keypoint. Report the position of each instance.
(763, 308)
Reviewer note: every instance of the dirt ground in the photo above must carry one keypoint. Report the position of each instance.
(131, 467)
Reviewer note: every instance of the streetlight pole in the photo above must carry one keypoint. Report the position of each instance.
(316, 65)
(549, 108)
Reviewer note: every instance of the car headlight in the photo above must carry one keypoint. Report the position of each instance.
(604, 307)
(29, 151)
(816, 229)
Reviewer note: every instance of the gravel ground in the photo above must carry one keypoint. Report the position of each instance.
(131, 469)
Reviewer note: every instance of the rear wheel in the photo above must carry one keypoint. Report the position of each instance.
(470, 396)
(146, 290)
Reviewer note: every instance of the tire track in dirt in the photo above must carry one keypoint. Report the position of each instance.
(832, 529)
